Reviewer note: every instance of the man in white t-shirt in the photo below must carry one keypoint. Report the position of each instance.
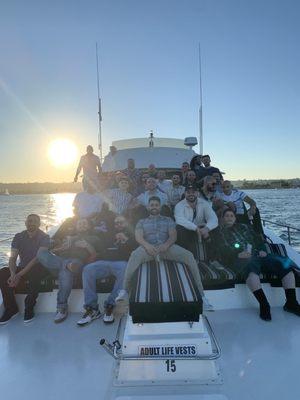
(87, 204)
(152, 190)
(175, 191)
(163, 183)
(237, 197)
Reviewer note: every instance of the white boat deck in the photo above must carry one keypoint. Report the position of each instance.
(41, 360)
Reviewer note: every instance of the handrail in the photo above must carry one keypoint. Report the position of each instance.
(288, 227)
(5, 240)
(284, 226)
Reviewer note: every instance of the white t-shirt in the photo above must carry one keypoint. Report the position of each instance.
(144, 198)
(236, 197)
(164, 185)
(174, 194)
(87, 204)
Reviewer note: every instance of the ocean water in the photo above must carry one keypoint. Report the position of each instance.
(52, 208)
(281, 205)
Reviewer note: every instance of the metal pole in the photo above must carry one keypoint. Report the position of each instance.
(99, 108)
(200, 107)
(289, 235)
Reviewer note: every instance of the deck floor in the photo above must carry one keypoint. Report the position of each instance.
(44, 361)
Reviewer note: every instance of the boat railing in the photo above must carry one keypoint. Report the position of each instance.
(5, 240)
(288, 228)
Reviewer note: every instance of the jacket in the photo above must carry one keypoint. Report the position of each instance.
(184, 215)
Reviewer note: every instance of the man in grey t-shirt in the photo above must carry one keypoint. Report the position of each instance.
(156, 236)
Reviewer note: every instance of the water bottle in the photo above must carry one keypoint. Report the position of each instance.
(249, 248)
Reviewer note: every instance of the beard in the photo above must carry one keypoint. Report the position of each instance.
(154, 211)
(31, 228)
(191, 199)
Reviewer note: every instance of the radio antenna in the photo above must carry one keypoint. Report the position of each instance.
(99, 108)
(200, 107)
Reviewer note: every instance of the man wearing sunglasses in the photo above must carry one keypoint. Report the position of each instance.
(119, 244)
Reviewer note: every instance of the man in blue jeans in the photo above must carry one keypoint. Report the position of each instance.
(67, 259)
(118, 247)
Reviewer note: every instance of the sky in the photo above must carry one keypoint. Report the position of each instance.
(149, 80)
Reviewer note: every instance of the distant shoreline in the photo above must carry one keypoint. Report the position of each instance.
(71, 187)
(40, 188)
(49, 193)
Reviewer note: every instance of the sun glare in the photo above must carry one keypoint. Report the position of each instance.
(62, 152)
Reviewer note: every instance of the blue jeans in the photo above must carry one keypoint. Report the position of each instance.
(98, 270)
(65, 277)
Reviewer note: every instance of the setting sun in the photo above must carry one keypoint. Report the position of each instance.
(62, 152)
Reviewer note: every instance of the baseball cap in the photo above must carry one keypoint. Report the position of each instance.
(191, 187)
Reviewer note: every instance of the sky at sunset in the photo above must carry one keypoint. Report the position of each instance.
(149, 80)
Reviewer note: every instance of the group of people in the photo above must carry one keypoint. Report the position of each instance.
(129, 217)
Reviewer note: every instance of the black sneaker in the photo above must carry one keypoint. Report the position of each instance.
(292, 308)
(8, 315)
(28, 315)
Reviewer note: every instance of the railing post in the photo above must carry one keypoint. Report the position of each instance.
(289, 235)
(264, 222)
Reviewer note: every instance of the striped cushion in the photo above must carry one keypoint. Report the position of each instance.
(164, 292)
(274, 248)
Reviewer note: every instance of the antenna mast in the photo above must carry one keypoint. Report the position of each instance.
(200, 107)
(99, 108)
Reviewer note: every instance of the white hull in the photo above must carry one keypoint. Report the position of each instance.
(46, 361)
(259, 360)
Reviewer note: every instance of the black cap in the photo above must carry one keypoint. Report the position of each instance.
(191, 187)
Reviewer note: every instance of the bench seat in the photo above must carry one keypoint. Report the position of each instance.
(214, 276)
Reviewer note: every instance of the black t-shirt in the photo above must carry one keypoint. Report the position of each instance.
(28, 246)
(203, 172)
(78, 252)
(117, 251)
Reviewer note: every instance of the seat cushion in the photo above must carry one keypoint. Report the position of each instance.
(276, 248)
(164, 292)
(46, 285)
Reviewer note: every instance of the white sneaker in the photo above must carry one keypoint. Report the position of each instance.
(122, 296)
(108, 319)
(206, 304)
(60, 316)
(88, 317)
